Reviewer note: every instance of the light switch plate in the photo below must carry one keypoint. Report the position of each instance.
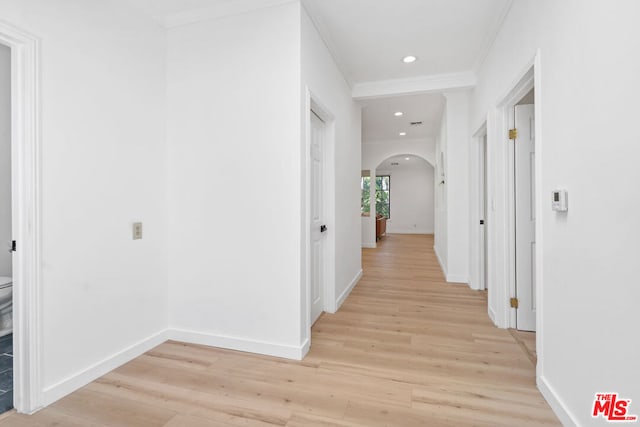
(137, 230)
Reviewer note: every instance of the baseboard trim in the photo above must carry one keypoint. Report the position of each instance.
(558, 406)
(450, 278)
(369, 245)
(442, 267)
(492, 316)
(62, 388)
(343, 296)
(454, 278)
(408, 231)
(306, 345)
(240, 344)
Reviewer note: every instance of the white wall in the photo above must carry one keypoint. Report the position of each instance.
(452, 206)
(375, 152)
(234, 181)
(5, 160)
(234, 101)
(457, 186)
(588, 291)
(103, 158)
(411, 199)
(322, 77)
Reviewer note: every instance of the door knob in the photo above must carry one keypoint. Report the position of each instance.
(323, 228)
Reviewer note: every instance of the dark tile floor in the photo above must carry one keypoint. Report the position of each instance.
(6, 373)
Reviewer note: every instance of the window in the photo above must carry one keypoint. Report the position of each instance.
(365, 199)
(383, 195)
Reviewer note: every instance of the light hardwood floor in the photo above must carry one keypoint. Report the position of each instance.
(406, 349)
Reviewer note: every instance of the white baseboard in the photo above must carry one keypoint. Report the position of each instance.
(57, 391)
(451, 278)
(456, 278)
(442, 267)
(343, 296)
(305, 348)
(240, 344)
(557, 404)
(369, 245)
(61, 389)
(391, 230)
(492, 316)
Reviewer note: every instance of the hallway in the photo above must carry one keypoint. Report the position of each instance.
(406, 349)
(432, 338)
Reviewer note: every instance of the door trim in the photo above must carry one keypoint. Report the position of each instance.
(329, 297)
(26, 195)
(526, 84)
(501, 196)
(475, 279)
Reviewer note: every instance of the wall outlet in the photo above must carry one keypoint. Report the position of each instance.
(137, 230)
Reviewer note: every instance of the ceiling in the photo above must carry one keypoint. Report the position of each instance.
(162, 8)
(172, 13)
(403, 163)
(369, 38)
(379, 122)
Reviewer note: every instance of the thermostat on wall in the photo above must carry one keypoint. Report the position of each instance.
(559, 200)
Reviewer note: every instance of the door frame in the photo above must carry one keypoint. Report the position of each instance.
(328, 165)
(502, 201)
(27, 228)
(475, 256)
(508, 119)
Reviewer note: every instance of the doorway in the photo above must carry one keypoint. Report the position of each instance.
(514, 177)
(524, 212)
(6, 235)
(25, 240)
(317, 213)
(483, 275)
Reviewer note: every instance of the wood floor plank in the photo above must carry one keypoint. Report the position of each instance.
(112, 410)
(406, 349)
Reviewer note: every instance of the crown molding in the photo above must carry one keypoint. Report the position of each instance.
(220, 10)
(492, 36)
(325, 35)
(414, 85)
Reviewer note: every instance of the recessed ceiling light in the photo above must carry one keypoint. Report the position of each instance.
(409, 59)
(403, 133)
(407, 158)
(398, 113)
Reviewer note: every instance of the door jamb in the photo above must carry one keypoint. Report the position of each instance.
(26, 200)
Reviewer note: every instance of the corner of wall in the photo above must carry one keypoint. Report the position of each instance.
(57, 391)
(342, 298)
(286, 351)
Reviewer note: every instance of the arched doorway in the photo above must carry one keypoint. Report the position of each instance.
(400, 189)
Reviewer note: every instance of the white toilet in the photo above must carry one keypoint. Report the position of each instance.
(6, 305)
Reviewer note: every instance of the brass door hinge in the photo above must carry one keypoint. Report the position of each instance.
(514, 302)
(513, 133)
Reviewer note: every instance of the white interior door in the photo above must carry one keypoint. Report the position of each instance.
(317, 217)
(525, 219)
(482, 172)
